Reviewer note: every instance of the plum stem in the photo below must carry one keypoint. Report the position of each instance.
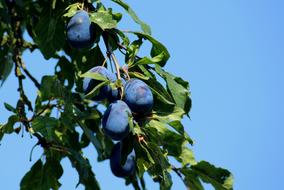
(104, 62)
(112, 56)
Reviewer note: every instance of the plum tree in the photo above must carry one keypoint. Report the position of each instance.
(138, 96)
(116, 120)
(58, 29)
(80, 30)
(119, 169)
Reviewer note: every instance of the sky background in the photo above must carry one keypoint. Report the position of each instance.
(232, 53)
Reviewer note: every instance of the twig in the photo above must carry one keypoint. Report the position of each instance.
(120, 46)
(111, 55)
(23, 66)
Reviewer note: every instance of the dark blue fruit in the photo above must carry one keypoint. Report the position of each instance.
(115, 93)
(80, 30)
(115, 120)
(138, 96)
(106, 91)
(118, 169)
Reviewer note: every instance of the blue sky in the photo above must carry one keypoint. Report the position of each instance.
(232, 53)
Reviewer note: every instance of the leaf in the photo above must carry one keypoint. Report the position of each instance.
(71, 10)
(159, 52)
(146, 28)
(159, 132)
(166, 182)
(186, 157)
(83, 167)
(104, 19)
(49, 32)
(138, 75)
(178, 90)
(8, 127)
(46, 126)
(43, 176)
(94, 75)
(9, 107)
(220, 178)
(51, 88)
(191, 179)
(6, 65)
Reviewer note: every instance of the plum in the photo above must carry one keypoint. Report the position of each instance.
(106, 91)
(115, 120)
(80, 30)
(115, 93)
(118, 169)
(138, 96)
(89, 84)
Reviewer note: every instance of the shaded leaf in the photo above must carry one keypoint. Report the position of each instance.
(51, 88)
(179, 91)
(46, 126)
(43, 176)
(8, 127)
(84, 169)
(191, 180)
(9, 107)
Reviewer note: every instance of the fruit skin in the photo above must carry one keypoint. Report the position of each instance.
(115, 120)
(106, 91)
(117, 168)
(115, 93)
(138, 96)
(89, 84)
(80, 30)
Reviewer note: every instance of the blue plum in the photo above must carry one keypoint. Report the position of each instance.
(89, 84)
(115, 93)
(118, 169)
(115, 120)
(105, 91)
(80, 30)
(138, 96)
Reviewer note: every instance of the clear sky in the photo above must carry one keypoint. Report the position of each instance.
(232, 53)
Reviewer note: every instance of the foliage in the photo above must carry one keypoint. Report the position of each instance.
(162, 132)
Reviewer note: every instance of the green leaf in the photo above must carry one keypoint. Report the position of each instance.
(71, 10)
(51, 88)
(6, 63)
(159, 52)
(46, 126)
(191, 179)
(146, 28)
(186, 157)
(93, 75)
(166, 182)
(43, 176)
(178, 89)
(103, 19)
(160, 133)
(220, 178)
(8, 127)
(49, 32)
(138, 75)
(9, 107)
(83, 167)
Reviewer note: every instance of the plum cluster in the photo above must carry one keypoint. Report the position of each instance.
(137, 99)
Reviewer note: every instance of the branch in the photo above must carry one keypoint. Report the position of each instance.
(36, 83)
